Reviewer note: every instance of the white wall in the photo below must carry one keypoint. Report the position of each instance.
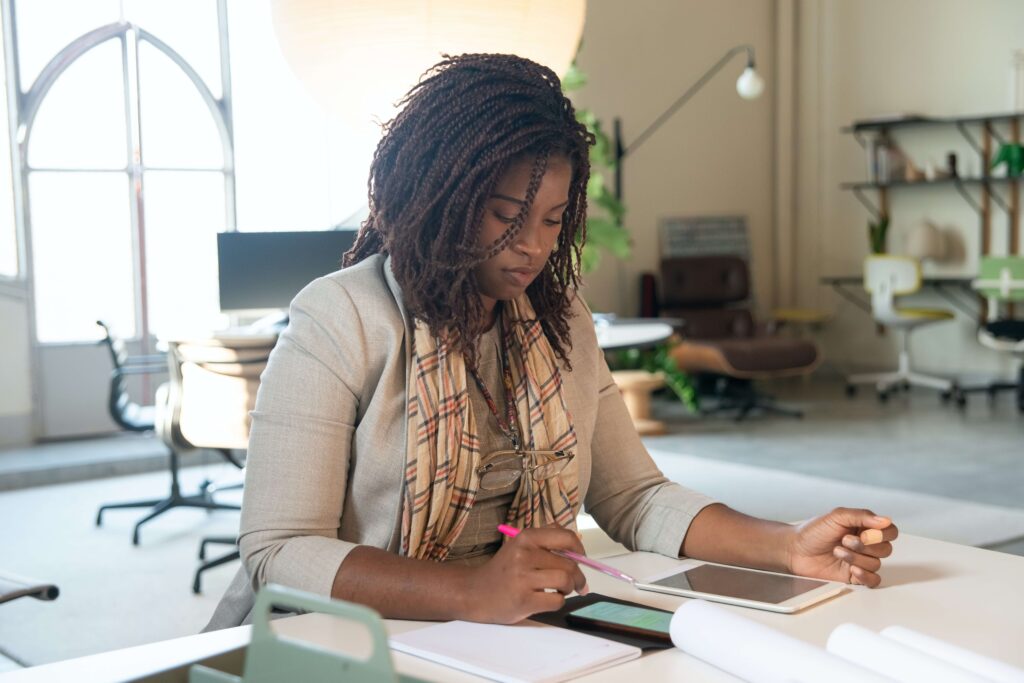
(714, 157)
(15, 376)
(869, 57)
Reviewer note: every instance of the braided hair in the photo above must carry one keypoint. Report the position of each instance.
(461, 127)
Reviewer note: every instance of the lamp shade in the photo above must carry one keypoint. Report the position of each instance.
(357, 58)
(750, 85)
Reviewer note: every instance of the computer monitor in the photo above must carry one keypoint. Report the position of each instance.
(262, 271)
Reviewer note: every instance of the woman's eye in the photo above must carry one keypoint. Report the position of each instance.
(503, 218)
(552, 222)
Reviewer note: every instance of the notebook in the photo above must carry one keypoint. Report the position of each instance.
(522, 653)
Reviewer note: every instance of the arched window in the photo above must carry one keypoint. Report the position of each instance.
(125, 162)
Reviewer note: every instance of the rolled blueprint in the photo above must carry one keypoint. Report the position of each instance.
(893, 659)
(757, 653)
(992, 669)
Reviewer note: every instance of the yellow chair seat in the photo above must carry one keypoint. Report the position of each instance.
(930, 313)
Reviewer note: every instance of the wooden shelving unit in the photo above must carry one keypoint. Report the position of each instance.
(980, 192)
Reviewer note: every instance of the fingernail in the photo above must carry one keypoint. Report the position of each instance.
(882, 520)
(585, 590)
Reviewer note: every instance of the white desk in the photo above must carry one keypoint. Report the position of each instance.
(965, 595)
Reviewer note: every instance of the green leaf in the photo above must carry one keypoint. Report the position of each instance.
(574, 78)
(606, 233)
(599, 195)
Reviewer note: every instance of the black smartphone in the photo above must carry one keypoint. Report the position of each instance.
(627, 619)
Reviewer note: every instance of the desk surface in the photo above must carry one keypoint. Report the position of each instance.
(965, 595)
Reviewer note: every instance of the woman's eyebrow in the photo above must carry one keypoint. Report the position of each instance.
(520, 202)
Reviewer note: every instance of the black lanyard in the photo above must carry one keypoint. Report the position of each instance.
(510, 426)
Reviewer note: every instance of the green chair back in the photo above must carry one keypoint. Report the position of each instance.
(271, 658)
(1001, 278)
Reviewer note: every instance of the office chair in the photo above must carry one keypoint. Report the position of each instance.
(722, 343)
(200, 401)
(13, 587)
(126, 413)
(1002, 282)
(887, 277)
(216, 383)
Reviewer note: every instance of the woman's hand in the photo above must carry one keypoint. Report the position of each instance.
(844, 545)
(511, 585)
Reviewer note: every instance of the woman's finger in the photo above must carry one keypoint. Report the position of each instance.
(872, 564)
(863, 577)
(883, 549)
(553, 579)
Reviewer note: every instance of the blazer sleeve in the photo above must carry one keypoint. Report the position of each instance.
(628, 495)
(300, 441)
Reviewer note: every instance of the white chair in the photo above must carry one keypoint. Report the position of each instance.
(885, 278)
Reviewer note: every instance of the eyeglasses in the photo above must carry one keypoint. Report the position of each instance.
(503, 468)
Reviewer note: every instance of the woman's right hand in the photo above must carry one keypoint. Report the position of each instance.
(511, 585)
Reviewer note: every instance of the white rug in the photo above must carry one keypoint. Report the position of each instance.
(789, 496)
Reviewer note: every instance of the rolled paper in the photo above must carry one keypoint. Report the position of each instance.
(755, 652)
(871, 536)
(895, 660)
(992, 669)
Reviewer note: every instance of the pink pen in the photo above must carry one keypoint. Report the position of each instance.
(512, 532)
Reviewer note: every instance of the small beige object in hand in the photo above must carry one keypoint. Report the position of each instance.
(871, 536)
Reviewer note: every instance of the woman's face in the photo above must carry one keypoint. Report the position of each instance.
(507, 274)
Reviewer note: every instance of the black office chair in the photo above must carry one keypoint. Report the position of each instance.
(229, 556)
(137, 418)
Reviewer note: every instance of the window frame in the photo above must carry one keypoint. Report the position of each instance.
(24, 105)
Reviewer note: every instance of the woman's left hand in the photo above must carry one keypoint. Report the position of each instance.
(844, 545)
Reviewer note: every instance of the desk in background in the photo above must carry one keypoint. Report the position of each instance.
(956, 290)
(961, 594)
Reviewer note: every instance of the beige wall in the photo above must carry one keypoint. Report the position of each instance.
(862, 58)
(714, 157)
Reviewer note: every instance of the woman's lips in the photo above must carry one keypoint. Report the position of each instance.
(520, 276)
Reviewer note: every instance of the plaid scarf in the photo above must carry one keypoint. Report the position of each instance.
(443, 450)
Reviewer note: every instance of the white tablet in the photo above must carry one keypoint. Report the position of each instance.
(740, 586)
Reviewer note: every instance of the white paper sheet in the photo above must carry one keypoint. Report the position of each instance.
(890, 658)
(526, 652)
(755, 652)
(993, 669)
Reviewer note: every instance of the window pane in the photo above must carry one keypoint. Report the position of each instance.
(81, 122)
(82, 255)
(45, 27)
(189, 27)
(8, 231)
(178, 129)
(184, 213)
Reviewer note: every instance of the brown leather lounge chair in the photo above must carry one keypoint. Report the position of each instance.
(721, 341)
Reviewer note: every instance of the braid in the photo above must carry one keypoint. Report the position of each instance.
(469, 117)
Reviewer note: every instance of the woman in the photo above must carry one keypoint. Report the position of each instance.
(448, 379)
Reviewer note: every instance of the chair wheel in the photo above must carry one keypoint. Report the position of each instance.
(961, 400)
(883, 396)
(851, 390)
(946, 395)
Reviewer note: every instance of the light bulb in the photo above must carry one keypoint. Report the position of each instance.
(750, 85)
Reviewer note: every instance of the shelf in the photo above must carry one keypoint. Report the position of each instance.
(923, 121)
(937, 181)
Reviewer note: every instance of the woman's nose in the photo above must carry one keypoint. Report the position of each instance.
(528, 240)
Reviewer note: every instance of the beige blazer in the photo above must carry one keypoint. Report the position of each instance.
(328, 442)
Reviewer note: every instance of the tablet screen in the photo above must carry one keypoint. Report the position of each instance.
(740, 583)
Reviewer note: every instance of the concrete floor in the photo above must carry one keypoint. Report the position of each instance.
(913, 442)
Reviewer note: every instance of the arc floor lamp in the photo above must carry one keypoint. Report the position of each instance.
(749, 86)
